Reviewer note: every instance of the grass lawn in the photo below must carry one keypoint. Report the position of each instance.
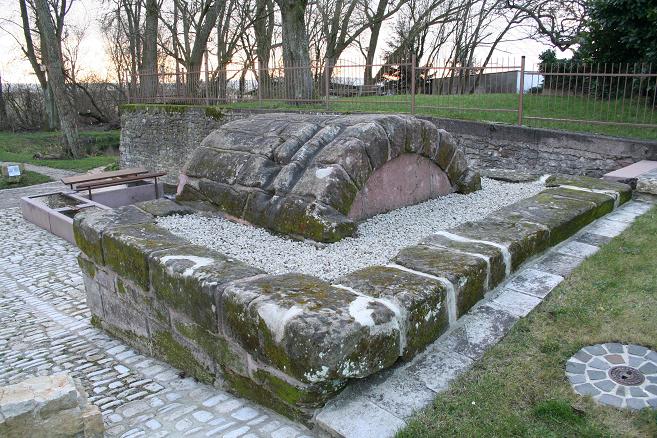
(519, 388)
(22, 146)
(29, 179)
(502, 108)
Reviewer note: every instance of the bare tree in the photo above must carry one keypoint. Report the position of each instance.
(55, 69)
(4, 119)
(560, 21)
(263, 29)
(296, 58)
(149, 52)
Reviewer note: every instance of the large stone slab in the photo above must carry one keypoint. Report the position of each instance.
(466, 273)
(622, 191)
(422, 299)
(310, 330)
(43, 406)
(312, 176)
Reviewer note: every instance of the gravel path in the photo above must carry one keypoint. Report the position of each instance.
(378, 240)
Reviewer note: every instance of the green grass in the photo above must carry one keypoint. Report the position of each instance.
(29, 179)
(519, 387)
(502, 108)
(21, 147)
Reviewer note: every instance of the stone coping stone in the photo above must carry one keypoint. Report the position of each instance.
(54, 405)
(647, 183)
(423, 300)
(299, 174)
(89, 225)
(315, 332)
(293, 341)
(466, 274)
(191, 278)
(164, 207)
(623, 191)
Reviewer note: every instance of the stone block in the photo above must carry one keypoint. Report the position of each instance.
(562, 216)
(309, 330)
(90, 224)
(12, 172)
(163, 207)
(467, 273)
(126, 249)
(647, 183)
(53, 405)
(188, 278)
(623, 191)
(300, 174)
(492, 254)
(422, 299)
(523, 239)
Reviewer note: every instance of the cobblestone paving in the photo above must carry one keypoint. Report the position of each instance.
(44, 328)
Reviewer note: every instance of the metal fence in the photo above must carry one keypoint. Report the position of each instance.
(615, 99)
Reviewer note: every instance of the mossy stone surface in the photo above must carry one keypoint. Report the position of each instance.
(523, 239)
(174, 353)
(126, 249)
(188, 279)
(310, 330)
(90, 224)
(497, 265)
(299, 174)
(624, 191)
(422, 298)
(562, 216)
(466, 272)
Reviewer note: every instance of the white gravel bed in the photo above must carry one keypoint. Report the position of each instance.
(378, 240)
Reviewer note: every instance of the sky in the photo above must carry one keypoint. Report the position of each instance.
(94, 60)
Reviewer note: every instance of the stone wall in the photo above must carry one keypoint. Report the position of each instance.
(162, 137)
(292, 341)
(543, 151)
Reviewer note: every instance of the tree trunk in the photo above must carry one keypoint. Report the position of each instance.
(368, 79)
(263, 29)
(54, 67)
(149, 52)
(4, 120)
(296, 59)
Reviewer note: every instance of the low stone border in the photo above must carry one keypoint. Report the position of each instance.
(382, 404)
(292, 342)
(618, 375)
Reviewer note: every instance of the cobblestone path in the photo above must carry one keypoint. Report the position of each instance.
(45, 328)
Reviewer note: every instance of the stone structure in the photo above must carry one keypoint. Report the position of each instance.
(161, 137)
(293, 341)
(313, 176)
(647, 183)
(48, 406)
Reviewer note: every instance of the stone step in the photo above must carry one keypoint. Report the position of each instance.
(630, 174)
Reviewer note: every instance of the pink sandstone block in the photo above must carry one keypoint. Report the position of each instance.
(631, 171)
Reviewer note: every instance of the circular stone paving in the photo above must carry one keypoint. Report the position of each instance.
(622, 376)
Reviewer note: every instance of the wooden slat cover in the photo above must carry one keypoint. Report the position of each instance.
(117, 180)
(103, 175)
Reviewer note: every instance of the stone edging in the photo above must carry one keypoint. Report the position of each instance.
(292, 342)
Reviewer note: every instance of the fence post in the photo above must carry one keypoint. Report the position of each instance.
(327, 81)
(207, 80)
(413, 83)
(521, 91)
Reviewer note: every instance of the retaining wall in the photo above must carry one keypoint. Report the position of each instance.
(162, 137)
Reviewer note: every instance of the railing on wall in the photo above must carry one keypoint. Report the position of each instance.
(616, 99)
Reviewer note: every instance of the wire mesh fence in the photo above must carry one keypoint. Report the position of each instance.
(614, 99)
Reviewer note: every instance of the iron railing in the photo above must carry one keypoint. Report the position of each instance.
(616, 99)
